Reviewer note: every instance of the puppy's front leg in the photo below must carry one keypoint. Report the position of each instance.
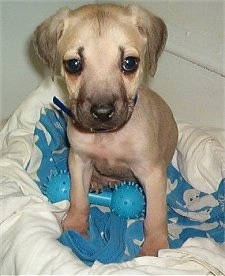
(78, 214)
(155, 224)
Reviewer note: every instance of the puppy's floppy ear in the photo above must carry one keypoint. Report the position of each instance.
(46, 36)
(154, 29)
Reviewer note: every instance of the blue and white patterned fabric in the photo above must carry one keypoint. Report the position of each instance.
(52, 143)
(191, 213)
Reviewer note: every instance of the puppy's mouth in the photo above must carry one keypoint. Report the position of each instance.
(93, 129)
(102, 130)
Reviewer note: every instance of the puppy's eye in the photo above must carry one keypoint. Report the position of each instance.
(73, 66)
(130, 64)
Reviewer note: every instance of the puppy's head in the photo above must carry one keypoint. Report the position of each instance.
(102, 50)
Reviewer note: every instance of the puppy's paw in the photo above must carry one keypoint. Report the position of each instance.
(96, 187)
(151, 247)
(77, 223)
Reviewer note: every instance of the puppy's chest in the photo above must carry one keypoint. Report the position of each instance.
(108, 151)
(112, 161)
(109, 154)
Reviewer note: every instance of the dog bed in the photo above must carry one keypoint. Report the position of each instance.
(34, 147)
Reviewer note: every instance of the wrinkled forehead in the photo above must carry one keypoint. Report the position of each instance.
(99, 36)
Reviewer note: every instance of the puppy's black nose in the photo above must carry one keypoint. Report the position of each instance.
(103, 112)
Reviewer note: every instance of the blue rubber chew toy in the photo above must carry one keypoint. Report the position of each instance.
(126, 200)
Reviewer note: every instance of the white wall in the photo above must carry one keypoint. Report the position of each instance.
(190, 75)
(21, 70)
(191, 72)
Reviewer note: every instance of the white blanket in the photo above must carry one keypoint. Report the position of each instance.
(30, 225)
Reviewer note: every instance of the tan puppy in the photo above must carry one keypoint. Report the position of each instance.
(120, 129)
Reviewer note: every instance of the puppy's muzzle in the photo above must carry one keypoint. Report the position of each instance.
(101, 115)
